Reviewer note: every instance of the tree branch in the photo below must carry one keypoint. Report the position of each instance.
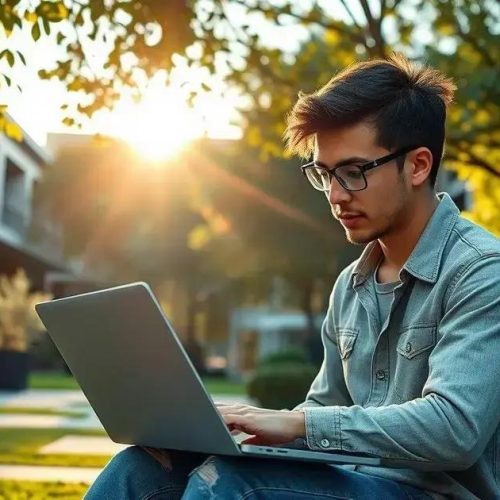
(476, 162)
(351, 15)
(374, 26)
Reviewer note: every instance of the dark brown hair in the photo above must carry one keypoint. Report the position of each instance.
(405, 102)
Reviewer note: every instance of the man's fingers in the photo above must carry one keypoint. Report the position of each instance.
(252, 440)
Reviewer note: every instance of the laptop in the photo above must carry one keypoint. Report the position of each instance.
(136, 375)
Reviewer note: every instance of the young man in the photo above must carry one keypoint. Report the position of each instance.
(412, 334)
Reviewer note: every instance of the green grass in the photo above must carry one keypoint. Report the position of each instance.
(218, 385)
(37, 490)
(53, 380)
(40, 411)
(20, 446)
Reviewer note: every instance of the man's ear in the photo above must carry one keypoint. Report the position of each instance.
(420, 165)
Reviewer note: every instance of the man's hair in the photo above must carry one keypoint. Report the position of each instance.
(406, 104)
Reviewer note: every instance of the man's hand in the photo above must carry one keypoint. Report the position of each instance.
(267, 427)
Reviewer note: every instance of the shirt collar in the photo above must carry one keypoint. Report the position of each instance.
(425, 259)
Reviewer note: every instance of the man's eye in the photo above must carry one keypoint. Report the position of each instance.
(354, 173)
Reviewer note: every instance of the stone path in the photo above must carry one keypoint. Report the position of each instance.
(82, 445)
(42, 473)
(64, 400)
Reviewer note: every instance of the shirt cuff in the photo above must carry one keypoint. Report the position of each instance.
(323, 430)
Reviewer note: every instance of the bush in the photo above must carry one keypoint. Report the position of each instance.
(281, 385)
(289, 355)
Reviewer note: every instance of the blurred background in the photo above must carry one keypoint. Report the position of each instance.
(142, 140)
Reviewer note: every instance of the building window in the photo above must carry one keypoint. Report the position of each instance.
(14, 199)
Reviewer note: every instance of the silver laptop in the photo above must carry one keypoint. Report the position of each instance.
(125, 355)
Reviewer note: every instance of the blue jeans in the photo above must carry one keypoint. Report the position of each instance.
(134, 474)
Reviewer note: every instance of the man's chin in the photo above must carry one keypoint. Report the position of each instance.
(359, 238)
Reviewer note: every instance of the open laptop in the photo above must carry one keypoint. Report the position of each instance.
(125, 355)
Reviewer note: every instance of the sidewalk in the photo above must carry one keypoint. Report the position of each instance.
(63, 400)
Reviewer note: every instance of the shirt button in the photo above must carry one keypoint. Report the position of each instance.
(325, 443)
(380, 375)
(408, 347)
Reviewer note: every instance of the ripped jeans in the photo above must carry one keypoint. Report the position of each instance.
(134, 474)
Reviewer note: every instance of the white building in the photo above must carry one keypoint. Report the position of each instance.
(21, 166)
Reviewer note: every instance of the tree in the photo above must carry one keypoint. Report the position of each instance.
(139, 38)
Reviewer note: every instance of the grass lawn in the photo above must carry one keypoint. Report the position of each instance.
(20, 446)
(54, 380)
(36, 490)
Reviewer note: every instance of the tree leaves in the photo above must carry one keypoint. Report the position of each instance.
(35, 31)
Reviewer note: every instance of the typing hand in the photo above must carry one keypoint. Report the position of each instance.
(264, 426)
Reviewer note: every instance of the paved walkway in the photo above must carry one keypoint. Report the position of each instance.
(64, 400)
(42, 473)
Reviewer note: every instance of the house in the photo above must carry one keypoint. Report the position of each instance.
(28, 238)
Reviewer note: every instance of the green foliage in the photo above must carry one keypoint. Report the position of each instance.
(287, 356)
(148, 32)
(281, 385)
(52, 380)
(461, 40)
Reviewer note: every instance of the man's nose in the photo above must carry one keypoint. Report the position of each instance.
(337, 194)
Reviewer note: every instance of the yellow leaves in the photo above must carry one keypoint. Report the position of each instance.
(332, 37)
(199, 237)
(31, 17)
(482, 117)
(446, 29)
(485, 189)
(8, 127)
(270, 149)
(215, 225)
(253, 136)
(18, 318)
(52, 11)
(13, 131)
(215, 220)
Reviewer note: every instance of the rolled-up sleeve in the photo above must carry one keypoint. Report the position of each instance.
(450, 425)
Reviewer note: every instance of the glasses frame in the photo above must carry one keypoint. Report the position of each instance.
(363, 168)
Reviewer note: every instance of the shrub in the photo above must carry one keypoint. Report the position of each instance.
(281, 385)
(18, 318)
(289, 355)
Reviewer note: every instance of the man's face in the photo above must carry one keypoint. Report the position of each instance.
(382, 207)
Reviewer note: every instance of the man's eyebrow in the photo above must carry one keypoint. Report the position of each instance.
(348, 161)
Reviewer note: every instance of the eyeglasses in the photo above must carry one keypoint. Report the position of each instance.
(351, 177)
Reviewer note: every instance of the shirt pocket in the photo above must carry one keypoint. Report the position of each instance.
(346, 338)
(413, 348)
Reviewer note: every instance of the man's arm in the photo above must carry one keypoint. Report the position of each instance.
(451, 424)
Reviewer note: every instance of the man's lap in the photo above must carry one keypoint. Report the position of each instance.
(133, 473)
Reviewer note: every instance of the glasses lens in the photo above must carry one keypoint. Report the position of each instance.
(319, 178)
(351, 176)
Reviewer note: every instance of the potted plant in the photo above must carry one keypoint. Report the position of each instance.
(19, 323)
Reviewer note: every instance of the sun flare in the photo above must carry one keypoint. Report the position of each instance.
(159, 126)
(162, 124)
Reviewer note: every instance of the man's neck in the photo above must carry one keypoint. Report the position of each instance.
(398, 245)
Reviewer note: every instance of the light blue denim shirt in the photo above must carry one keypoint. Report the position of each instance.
(425, 385)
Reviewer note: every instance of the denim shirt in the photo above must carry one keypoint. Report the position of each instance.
(425, 385)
